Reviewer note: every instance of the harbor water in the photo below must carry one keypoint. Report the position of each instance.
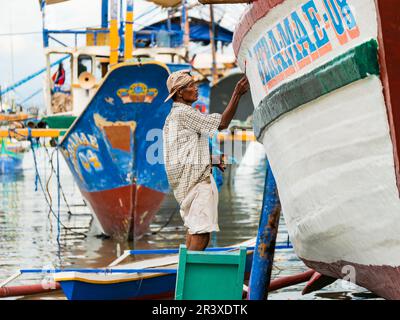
(32, 236)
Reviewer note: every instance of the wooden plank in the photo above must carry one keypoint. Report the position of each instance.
(212, 258)
(209, 275)
(242, 266)
(180, 277)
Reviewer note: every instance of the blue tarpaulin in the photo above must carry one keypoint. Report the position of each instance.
(171, 34)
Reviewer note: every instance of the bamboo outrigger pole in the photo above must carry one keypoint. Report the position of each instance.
(114, 36)
(129, 30)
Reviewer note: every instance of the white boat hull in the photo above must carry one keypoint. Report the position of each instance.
(332, 156)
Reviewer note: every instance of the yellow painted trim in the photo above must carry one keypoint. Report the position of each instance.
(13, 117)
(114, 43)
(112, 281)
(128, 36)
(237, 136)
(36, 133)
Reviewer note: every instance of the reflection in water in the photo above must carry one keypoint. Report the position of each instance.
(28, 233)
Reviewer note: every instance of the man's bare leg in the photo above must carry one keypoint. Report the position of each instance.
(199, 242)
(188, 239)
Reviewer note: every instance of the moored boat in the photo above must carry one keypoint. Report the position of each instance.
(323, 76)
(112, 148)
(124, 285)
(11, 157)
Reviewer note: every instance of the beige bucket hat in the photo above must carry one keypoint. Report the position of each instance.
(176, 81)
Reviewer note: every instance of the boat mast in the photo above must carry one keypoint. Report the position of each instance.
(121, 28)
(129, 30)
(185, 27)
(213, 49)
(1, 101)
(44, 30)
(114, 36)
(104, 13)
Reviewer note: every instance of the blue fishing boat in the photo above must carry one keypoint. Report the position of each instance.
(10, 162)
(114, 148)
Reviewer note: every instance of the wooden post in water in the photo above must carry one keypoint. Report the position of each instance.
(263, 258)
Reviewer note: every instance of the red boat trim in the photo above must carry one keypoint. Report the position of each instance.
(288, 281)
(26, 290)
(389, 56)
(255, 12)
(317, 282)
(165, 295)
(382, 280)
(114, 209)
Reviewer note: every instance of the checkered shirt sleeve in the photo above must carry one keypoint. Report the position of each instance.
(206, 124)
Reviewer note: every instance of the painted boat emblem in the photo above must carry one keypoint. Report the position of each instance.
(137, 93)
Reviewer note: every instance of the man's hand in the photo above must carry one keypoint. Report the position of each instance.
(219, 162)
(242, 86)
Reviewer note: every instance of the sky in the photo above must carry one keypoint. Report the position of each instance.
(21, 44)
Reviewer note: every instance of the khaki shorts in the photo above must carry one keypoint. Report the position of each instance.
(199, 210)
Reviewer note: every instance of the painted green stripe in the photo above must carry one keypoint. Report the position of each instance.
(352, 66)
(59, 122)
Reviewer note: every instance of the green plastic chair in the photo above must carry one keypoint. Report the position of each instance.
(210, 275)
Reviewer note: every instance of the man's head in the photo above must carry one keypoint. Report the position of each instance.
(182, 87)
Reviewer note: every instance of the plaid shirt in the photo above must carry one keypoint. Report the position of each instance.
(186, 147)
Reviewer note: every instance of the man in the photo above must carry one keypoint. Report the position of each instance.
(187, 156)
(59, 76)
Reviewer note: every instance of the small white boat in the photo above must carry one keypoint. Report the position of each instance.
(155, 279)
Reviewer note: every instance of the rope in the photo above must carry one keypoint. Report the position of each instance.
(42, 188)
(54, 170)
(168, 221)
(47, 187)
(58, 197)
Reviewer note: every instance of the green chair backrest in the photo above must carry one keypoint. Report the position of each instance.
(210, 275)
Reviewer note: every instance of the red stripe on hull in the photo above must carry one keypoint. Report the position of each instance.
(389, 55)
(115, 209)
(381, 280)
(257, 10)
